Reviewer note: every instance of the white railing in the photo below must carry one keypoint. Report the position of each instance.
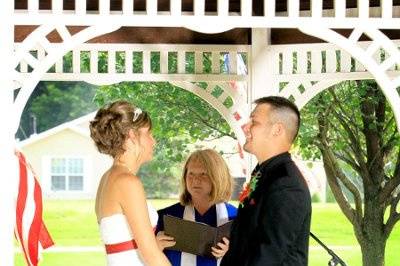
(107, 63)
(314, 62)
(385, 15)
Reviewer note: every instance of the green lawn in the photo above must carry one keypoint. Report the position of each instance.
(73, 223)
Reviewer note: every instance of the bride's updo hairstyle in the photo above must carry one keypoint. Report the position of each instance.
(112, 123)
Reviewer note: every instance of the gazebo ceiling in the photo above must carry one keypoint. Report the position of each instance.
(186, 36)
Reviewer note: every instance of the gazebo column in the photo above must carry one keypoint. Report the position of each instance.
(261, 69)
(261, 74)
(8, 176)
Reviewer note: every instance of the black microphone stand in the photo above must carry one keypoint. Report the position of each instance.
(335, 260)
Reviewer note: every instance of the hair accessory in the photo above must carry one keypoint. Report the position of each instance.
(136, 114)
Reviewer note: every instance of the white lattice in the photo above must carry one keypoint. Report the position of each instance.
(46, 57)
(230, 101)
(303, 70)
(303, 92)
(370, 57)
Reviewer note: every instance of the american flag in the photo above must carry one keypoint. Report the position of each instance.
(30, 230)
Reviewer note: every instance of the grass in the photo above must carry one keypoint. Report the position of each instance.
(73, 223)
(332, 228)
(68, 259)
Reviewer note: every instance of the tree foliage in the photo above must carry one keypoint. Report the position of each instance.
(54, 103)
(179, 117)
(352, 128)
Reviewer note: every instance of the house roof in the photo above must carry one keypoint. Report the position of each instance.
(76, 125)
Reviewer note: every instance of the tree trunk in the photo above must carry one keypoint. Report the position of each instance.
(373, 252)
(371, 236)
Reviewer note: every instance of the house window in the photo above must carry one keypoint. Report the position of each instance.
(67, 174)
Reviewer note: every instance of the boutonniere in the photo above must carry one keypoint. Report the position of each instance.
(248, 189)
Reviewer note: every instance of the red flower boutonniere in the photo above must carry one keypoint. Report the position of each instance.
(248, 188)
(244, 193)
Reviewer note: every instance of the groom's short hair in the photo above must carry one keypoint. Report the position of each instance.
(284, 111)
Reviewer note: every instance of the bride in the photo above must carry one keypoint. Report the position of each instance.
(126, 220)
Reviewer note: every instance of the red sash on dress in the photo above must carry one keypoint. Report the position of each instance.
(120, 247)
(123, 246)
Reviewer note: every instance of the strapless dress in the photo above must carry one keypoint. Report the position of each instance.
(119, 241)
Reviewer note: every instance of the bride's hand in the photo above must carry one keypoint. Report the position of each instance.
(164, 241)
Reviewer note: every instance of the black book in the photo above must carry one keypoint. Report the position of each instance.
(194, 237)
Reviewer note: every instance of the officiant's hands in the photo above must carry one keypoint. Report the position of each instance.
(164, 241)
(221, 249)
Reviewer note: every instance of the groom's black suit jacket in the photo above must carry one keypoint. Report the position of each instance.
(273, 226)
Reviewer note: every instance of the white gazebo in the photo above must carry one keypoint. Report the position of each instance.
(350, 40)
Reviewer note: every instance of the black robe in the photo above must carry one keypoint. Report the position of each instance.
(273, 225)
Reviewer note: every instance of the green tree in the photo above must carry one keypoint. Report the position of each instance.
(54, 103)
(353, 129)
(179, 118)
(161, 176)
(178, 115)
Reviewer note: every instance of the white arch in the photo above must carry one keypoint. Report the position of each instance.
(39, 36)
(311, 90)
(365, 57)
(234, 116)
(229, 114)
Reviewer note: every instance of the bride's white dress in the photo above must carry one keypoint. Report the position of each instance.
(119, 241)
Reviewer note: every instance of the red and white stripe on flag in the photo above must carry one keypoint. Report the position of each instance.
(243, 162)
(30, 230)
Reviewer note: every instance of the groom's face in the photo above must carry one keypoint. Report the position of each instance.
(258, 129)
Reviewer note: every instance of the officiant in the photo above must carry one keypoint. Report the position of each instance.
(206, 187)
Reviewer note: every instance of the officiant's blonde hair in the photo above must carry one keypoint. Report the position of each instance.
(217, 171)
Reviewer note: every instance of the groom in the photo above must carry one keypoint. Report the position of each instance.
(273, 222)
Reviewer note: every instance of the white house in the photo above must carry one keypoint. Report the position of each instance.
(65, 160)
